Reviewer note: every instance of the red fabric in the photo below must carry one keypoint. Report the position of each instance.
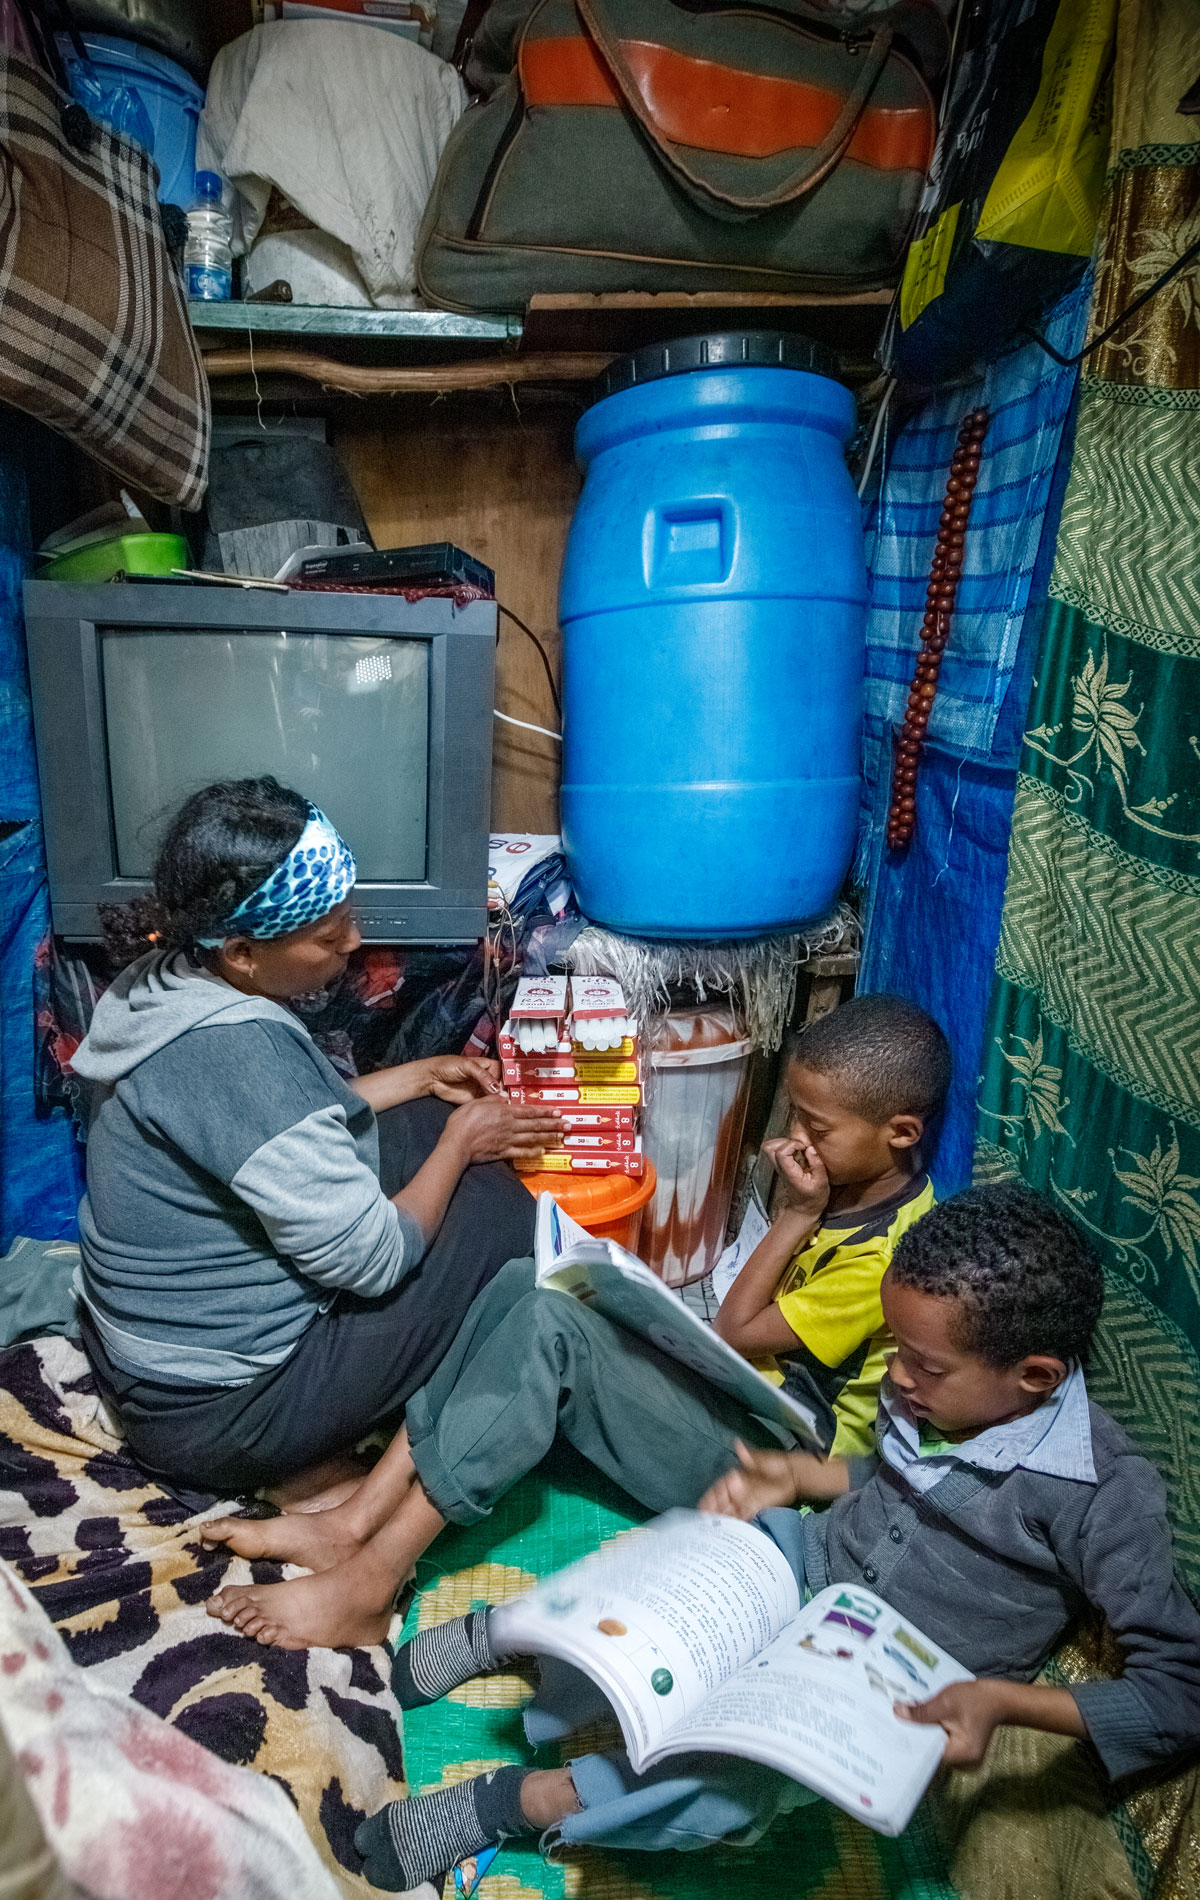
(459, 595)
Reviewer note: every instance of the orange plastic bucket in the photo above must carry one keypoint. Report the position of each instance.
(607, 1206)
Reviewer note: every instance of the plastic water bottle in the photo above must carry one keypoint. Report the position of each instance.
(208, 255)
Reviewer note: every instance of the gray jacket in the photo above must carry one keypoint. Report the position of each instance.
(232, 1180)
(997, 1566)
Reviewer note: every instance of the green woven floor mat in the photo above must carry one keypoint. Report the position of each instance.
(818, 1854)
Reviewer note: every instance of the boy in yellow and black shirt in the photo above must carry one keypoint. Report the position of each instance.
(862, 1082)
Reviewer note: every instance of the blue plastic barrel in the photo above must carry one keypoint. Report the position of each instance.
(146, 96)
(712, 604)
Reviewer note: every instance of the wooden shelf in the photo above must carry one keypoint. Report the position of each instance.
(561, 339)
(607, 320)
(850, 321)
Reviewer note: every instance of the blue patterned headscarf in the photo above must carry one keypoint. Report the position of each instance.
(318, 872)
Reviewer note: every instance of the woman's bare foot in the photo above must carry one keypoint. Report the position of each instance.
(319, 1486)
(340, 1609)
(325, 1500)
(316, 1540)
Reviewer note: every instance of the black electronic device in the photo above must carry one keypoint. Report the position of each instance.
(436, 564)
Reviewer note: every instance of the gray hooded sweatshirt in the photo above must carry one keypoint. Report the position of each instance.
(232, 1180)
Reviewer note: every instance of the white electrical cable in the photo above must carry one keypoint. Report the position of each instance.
(876, 431)
(525, 725)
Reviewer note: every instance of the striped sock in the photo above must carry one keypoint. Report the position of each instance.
(415, 1840)
(436, 1660)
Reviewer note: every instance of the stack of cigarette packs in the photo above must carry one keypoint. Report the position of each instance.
(574, 1046)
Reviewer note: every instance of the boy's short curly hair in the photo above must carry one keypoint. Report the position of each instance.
(886, 1056)
(1025, 1275)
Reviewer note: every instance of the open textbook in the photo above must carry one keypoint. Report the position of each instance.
(568, 1260)
(694, 1630)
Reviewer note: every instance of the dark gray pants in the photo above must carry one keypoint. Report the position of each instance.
(527, 1365)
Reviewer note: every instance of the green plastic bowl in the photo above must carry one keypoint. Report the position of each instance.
(120, 554)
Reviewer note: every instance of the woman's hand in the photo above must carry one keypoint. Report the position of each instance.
(802, 1172)
(453, 1078)
(490, 1128)
(461, 1078)
(496, 1129)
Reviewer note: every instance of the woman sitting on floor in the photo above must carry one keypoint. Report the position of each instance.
(268, 1270)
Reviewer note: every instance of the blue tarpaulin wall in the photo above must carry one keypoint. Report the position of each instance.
(932, 914)
(41, 1173)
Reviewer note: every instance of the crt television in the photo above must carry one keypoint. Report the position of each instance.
(378, 709)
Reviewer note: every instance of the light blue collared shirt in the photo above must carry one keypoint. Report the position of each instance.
(1055, 1439)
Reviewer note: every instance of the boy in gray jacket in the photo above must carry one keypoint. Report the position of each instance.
(1000, 1504)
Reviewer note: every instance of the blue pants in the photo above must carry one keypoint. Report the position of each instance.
(686, 1802)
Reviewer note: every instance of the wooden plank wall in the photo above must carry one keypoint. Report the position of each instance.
(497, 476)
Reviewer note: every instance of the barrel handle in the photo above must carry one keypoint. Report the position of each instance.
(808, 174)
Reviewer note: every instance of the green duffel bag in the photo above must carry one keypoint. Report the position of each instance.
(642, 145)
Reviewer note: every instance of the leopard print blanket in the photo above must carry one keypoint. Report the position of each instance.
(117, 1564)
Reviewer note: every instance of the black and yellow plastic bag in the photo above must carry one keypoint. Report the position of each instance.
(1015, 185)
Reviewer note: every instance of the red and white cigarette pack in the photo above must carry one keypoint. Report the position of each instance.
(626, 1048)
(600, 1069)
(594, 1121)
(597, 996)
(608, 1141)
(537, 1023)
(621, 1095)
(535, 1072)
(541, 1065)
(510, 1050)
(571, 1161)
(531, 1072)
(540, 996)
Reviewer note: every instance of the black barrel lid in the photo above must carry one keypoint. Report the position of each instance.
(727, 349)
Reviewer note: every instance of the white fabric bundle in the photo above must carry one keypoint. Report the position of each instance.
(348, 124)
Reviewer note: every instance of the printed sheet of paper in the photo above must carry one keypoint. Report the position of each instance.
(554, 1232)
(660, 1618)
(817, 1705)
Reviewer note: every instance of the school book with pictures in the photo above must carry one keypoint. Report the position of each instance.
(568, 1260)
(694, 1630)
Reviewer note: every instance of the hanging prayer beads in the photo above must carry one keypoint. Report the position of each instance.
(944, 573)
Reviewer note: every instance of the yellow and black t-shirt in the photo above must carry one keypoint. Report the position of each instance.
(829, 1296)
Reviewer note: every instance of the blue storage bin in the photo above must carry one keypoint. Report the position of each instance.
(713, 604)
(146, 96)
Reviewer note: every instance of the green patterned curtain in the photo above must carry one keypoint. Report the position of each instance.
(1091, 1081)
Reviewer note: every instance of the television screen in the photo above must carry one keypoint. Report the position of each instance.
(184, 708)
(378, 707)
